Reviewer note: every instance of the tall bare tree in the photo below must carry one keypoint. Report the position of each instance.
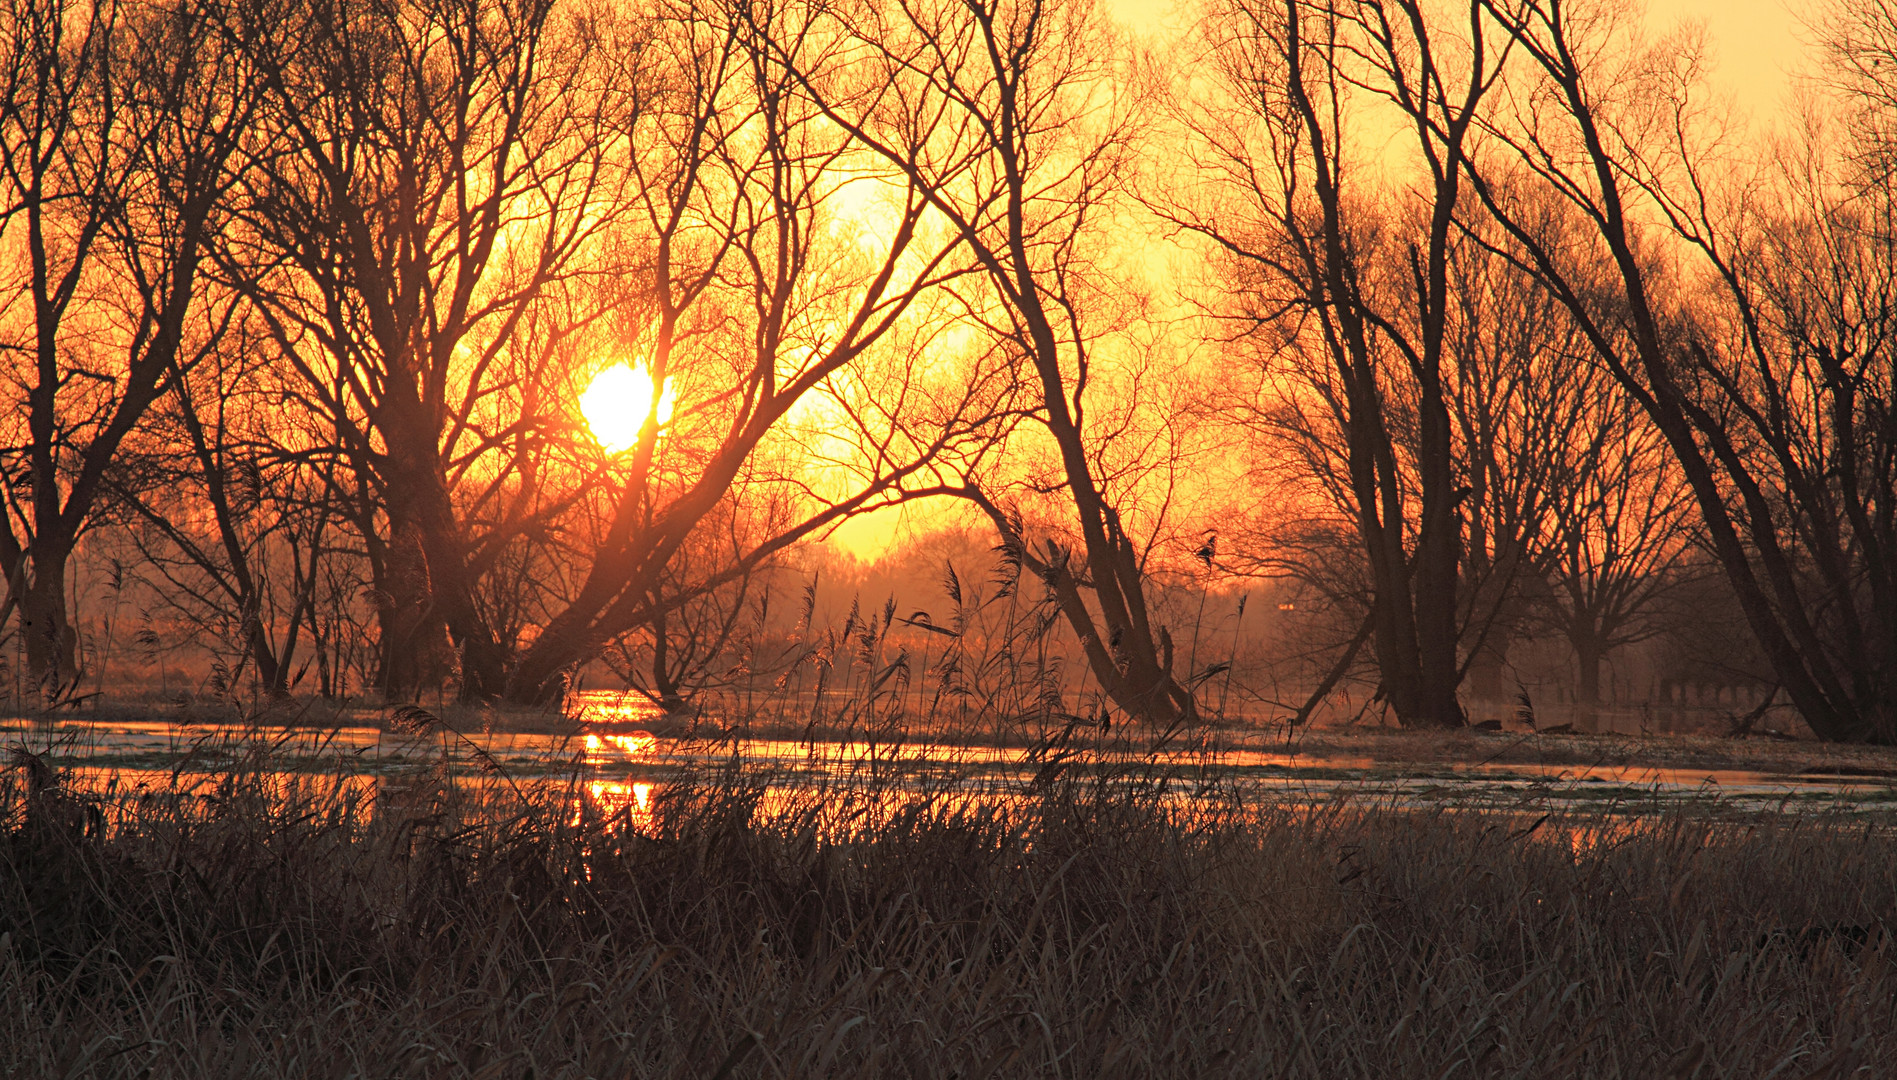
(427, 174)
(1014, 119)
(784, 269)
(1775, 403)
(117, 128)
(229, 533)
(1363, 283)
(1521, 399)
(1619, 545)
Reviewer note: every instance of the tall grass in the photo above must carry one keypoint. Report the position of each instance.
(282, 926)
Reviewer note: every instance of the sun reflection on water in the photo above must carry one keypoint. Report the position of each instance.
(608, 798)
(637, 744)
(612, 709)
(611, 744)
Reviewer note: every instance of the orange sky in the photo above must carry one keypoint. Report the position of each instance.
(1758, 44)
(1758, 49)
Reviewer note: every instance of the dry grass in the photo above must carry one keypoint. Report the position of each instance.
(281, 927)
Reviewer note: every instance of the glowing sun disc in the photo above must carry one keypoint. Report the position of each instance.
(617, 403)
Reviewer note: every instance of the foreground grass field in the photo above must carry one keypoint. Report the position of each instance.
(288, 926)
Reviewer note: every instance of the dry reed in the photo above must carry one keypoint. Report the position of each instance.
(282, 926)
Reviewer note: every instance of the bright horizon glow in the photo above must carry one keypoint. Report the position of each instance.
(617, 403)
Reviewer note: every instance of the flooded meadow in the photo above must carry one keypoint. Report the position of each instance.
(610, 752)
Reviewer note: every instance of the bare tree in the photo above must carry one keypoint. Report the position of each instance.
(1783, 437)
(429, 172)
(231, 535)
(1013, 119)
(117, 123)
(1619, 544)
(783, 272)
(1361, 294)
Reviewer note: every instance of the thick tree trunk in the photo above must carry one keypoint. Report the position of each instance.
(415, 648)
(1438, 558)
(1416, 630)
(269, 670)
(1587, 688)
(539, 677)
(441, 594)
(1588, 654)
(45, 628)
(482, 660)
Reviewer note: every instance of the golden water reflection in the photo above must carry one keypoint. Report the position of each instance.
(605, 709)
(624, 748)
(608, 748)
(599, 748)
(610, 798)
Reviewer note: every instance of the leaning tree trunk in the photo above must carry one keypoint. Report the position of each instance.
(1129, 656)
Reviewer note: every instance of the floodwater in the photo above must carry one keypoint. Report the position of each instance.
(617, 764)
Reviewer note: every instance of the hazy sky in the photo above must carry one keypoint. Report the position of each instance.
(1757, 44)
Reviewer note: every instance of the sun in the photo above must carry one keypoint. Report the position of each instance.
(618, 402)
